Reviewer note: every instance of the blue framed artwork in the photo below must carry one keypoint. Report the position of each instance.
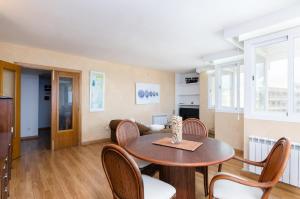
(146, 93)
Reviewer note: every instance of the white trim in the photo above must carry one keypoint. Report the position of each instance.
(218, 89)
(293, 36)
(291, 82)
(235, 83)
(272, 118)
(209, 89)
(241, 111)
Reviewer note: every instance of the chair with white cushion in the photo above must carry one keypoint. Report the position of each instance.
(193, 126)
(225, 186)
(127, 131)
(125, 179)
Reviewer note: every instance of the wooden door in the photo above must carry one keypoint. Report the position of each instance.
(10, 83)
(65, 109)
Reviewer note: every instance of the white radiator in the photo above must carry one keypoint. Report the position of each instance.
(160, 119)
(259, 148)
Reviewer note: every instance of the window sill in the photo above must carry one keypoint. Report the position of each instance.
(229, 111)
(292, 119)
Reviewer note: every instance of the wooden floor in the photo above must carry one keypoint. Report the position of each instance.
(77, 173)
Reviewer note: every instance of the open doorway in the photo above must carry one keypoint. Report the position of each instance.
(35, 110)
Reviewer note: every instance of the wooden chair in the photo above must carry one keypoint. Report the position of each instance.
(127, 131)
(193, 126)
(125, 179)
(225, 185)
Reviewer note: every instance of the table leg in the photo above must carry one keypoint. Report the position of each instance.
(182, 178)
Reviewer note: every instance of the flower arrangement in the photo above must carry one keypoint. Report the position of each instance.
(176, 123)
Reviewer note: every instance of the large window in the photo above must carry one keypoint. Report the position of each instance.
(273, 76)
(297, 76)
(227, 87)
(230, 90)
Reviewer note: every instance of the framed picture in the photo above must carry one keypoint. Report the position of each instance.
(147, 93)
(97, 91)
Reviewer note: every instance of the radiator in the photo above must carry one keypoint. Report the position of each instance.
(160, 119)
(260, 147)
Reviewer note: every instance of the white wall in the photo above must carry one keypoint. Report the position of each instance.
(29, 104)
(44, 105)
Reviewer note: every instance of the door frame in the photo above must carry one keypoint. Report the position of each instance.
(17, 104)
(55, 132)
(60, 69)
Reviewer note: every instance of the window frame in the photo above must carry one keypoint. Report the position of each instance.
(250, 79)
(211, 74)
(235, 82)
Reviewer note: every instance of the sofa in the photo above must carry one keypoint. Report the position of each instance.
(144, 130)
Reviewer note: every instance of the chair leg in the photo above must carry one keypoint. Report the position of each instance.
(220, 168)
(205, 180)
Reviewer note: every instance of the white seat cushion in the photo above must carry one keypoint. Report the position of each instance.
(156, 189)
(225, 189)
(141, 163)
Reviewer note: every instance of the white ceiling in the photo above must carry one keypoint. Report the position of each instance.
(164, 34)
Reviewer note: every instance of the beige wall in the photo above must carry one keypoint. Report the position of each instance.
(119, 86)
(230, 129)
(227, 126)
(270, 129)
(207, 116)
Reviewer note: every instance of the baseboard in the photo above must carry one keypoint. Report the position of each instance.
(98, 141)
(29, 138)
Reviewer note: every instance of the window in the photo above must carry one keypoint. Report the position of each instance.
(231, 88)
(227, 87)
(242, 87)
(297, 76)
(211, 89)
(273, 76)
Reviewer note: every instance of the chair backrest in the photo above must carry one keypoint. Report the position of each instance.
(276, 161)
(126, 131)
(122, 172)
(193, 126)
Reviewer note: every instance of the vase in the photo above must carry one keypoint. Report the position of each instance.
(176, 122)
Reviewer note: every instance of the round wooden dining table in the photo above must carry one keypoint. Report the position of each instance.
(177, 166)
